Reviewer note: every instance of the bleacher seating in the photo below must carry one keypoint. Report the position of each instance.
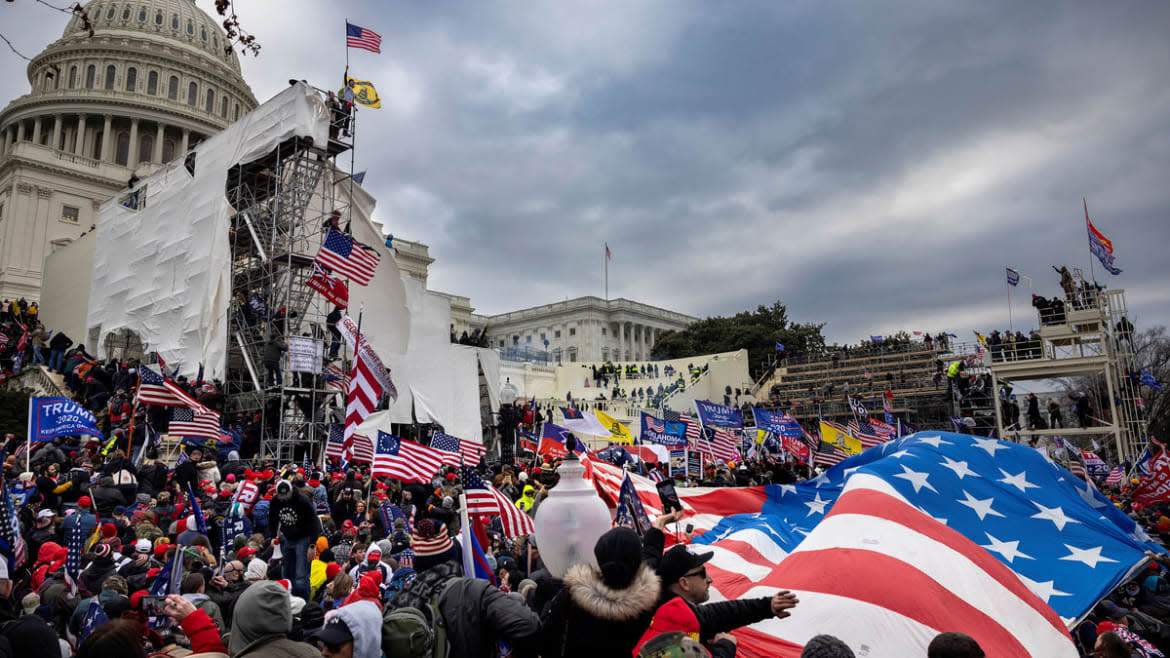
(818, 385)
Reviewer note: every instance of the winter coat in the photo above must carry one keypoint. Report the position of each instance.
(60, 341)
(588, 618)
(364, 621)
(261, 622)
(477, 616)
(204, 635)
(105, 499)
(204, 603)
(725, 616)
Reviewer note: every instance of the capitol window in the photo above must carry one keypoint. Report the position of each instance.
(237, 112)
(110, 13)
(126, 13)
(145, 147)
(122, 153)
(190, 28)
(173, 88)
(142, 14)
(210, 104)
(72, 77)
(572, 331)
(131, 78)
(203, 33)
(70, 214)
(90, 75)
(223, 107)
(192, 92)
(174, 21)
(168, 150)
(152, 83)
(158, 18)
(110, 71)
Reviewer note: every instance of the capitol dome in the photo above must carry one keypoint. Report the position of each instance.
(156, 78)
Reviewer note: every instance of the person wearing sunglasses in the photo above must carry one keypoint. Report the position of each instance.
(684, 576)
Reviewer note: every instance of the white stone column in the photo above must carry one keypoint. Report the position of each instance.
(20, 130)
(132, 157)
(158, 143)
(57, 121)
(183, 144)
(36, 136)
(79, 144)
(108, 140)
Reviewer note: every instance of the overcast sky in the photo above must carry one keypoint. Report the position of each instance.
(874, 165)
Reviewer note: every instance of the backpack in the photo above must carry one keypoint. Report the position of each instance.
(408, 633)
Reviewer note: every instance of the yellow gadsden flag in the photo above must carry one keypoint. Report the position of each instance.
(835, 434)
(621, 433)
(363, 93)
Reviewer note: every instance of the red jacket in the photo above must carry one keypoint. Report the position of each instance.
(203, 633)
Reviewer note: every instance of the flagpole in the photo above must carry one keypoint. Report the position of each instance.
(607, 271)
(1092, 270)
(1009, 296)
(28, 437)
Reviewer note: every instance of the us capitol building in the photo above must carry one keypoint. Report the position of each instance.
(155, 79)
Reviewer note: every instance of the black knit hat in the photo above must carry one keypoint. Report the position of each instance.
(826, 646)
(619, 554)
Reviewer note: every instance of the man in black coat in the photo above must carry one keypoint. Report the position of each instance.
(296, 516)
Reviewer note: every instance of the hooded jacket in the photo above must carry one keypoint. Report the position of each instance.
(261, 623)
(589, 618)
(364, 620)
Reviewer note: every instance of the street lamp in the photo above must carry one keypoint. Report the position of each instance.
(571, 520)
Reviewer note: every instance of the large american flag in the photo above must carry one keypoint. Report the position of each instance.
(482, 498)
(154, 389)
(456, 451)
(943, 512)
(348, 258)
(364, 394)
(693, 429)
(357, 36)
(404, 460)
(188, 422)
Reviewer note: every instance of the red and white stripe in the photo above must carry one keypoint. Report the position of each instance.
(472, 451)
(1115, 476)
(921, 578)
(203, 425)
(694, 430)
(364, 394)
(884, 430)
(361, 449)
(413, 463)
(491, 501)
(867, 440)
(725, 446)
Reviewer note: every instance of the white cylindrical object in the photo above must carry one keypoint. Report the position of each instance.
(570, 521)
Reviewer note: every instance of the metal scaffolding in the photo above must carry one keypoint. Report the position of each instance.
(283, 203)
(1090, 337)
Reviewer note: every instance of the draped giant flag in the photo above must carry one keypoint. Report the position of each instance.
(932, 507)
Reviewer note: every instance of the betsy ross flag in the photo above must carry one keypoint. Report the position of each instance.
(357, 36)
(346, 257)
(332, 287)
(487, 500)
(188, 422)
(404, 460)
(1099, 245)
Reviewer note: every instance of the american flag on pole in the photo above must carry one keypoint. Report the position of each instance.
(188, 422)
(404, 460)
(331, 287)
(336, 378)
(482, 498)
(73, 550)
(883, 430)
(360, 37)
(456, 451)
(154, 389)
(723, 445)
(865, 432)
(345, 257)
(335, 444)
(829, 454)
(1115, 476)
(362, 449)
(364, 394)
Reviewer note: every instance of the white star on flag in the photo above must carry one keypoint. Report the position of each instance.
(935, 440)
(1044, 590)
(915, 478)
(1089, 556)
(981, 507)
(990, 445)
(816, 506)
(1018, 481)
(959, 467)
(1054, 514)
(1008, 549)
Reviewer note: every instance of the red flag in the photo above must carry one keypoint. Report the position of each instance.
(1155, 487)
(796, 447)
(332, 287)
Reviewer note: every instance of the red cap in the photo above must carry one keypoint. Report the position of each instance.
(84, 501)
(244, 552)
(284, 583)
(160, 551)
(332, 570)
(314, 483)
(108, 530)
(450, 477)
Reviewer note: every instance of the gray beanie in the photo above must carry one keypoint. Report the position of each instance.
(826, 646)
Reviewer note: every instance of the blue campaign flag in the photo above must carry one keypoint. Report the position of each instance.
(193, 505)
(94, 617)
(256, 305)
(719, 415)
(777, 423)
(1150, 381)
(663, 432)
(779, 347)
(876, 339)
(50, 418)
(1064, 539)
(562, 436)
(359, 177)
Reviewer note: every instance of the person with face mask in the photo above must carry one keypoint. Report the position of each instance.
(297, 526)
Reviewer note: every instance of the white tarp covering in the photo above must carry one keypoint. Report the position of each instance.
(162, 271)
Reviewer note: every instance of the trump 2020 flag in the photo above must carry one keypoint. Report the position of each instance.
(50, 418)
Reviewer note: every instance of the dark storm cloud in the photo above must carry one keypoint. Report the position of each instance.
(873, 165)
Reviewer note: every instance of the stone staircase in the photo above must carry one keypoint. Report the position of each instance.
(39, 381)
